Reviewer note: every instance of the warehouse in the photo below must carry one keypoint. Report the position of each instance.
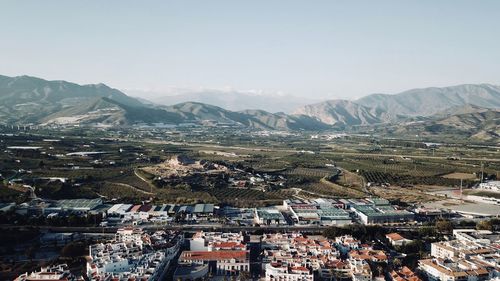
(269, 216)
(372, 214)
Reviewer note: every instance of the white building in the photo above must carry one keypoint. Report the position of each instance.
(293, 256)
(58, 272)
(133, 254)
(473, 256)
(397, 240)
(360, 270)
(490, 185)
(279, 272)
(226, 262)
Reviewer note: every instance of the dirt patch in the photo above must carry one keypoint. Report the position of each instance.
(460, 176)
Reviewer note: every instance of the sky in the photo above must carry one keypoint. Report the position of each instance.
(318, 49)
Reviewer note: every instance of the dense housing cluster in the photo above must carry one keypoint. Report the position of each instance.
(134, 255)
(472, 255)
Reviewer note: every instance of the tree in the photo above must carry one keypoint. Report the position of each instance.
(444, 226)
(244, 276)
(380, 270)
(484, 225)
(31, 252)
(74, 249)
(427, 231)
(397, 263)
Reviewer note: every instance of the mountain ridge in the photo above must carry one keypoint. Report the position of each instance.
(32, 100)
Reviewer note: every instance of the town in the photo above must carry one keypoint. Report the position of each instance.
(250, 140)
(136, 254)
(101, 208)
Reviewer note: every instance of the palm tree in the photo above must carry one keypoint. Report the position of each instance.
(245, 276)
(396, 263)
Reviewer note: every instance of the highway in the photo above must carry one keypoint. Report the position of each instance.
(188, 228)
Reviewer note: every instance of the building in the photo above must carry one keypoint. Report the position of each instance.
(368, 255)
(219, 262)
(446, 270)
(280, 272)
(134, 255)
(319, 212)
(293, 256)
(5, 207)
(397, 240)
(456, 249)
(269, 216)
(223, 253)
(58, 272)
(404, 274)
(378, 211)
(203, 211)
(483, 237)
(240, 216)
(360, 270)
(490, 185)
(473, 256)
(347, 243)
(185, 272)
(208, 241)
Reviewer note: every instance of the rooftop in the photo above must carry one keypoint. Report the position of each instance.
(214, 255)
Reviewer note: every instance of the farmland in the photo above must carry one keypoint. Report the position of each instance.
(338, 168)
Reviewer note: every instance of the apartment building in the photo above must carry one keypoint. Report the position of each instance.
(473, 256)
(293, 256)
(231, 262)
(134, 254)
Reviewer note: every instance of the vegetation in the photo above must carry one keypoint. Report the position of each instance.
(118, 174)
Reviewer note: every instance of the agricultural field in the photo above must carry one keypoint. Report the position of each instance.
(310, 168)
(379, 178)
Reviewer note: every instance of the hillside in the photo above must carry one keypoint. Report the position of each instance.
(429, 101)
(27, 99)
(228, 99)
(467, 110)
(30, 100)
(481, 124)
(342, 112)
(426, 102)
(259, 119)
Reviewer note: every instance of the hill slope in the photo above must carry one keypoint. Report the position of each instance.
(342, 112)
(27, 99)
(480, 124)
(426, 102)
(30, 100)
(429, 101)
(228, 99)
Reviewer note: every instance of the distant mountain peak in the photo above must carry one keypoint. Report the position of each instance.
(31, 100)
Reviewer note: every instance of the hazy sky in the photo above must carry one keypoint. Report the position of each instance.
(310, 48)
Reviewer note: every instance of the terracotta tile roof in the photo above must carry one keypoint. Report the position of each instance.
(229, 245)
(215, 255)
(300, 268)
(394, 236)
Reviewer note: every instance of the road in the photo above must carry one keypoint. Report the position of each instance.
(329, 152)
(188, 228)
(131, 187)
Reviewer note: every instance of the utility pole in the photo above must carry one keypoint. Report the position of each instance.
(461, 190)
(482, 171)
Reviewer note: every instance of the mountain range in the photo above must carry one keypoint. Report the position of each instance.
(471, 108)
(233, 100)
(30, 100)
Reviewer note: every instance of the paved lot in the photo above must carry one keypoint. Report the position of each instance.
(466, 207)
